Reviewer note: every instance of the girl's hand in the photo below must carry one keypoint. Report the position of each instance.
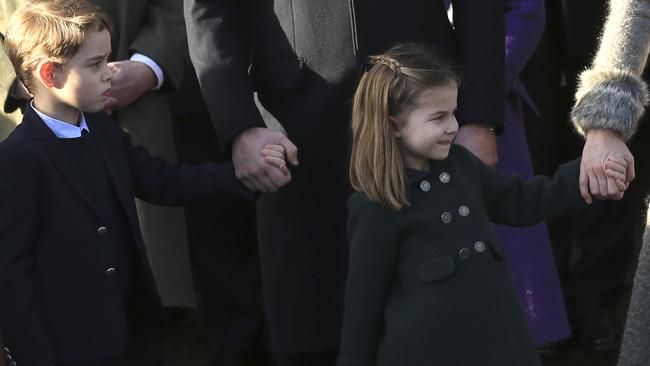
(616, 170)
(274, 155)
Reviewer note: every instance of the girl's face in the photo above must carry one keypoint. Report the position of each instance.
(427, 130)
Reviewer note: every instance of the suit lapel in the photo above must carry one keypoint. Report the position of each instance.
(116, 171)
(60, 157)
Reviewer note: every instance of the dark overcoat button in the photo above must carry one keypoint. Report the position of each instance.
(463, 253)
(446, 217)
(111, 271)
(479, 246)
(463, 211)
(425, 186)
(103, 230)
(445, 177)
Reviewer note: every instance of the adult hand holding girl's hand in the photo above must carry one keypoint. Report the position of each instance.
(616, 172)
(601, 146)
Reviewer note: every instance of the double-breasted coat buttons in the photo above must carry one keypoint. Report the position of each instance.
(445, 177)
(479, 246)
(463, 211)
(446, 217)
(111, 272)
(463, 253)
(425, 186)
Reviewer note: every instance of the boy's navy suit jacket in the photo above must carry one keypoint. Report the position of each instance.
(59, 304)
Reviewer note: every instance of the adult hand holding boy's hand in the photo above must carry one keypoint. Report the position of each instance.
(131, 79)
(251, 167)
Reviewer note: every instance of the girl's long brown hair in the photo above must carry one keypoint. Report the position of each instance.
(386, 91)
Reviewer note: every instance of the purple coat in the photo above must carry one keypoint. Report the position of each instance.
(530, 255)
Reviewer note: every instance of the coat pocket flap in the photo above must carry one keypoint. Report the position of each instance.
(435, 269)
(277, 75)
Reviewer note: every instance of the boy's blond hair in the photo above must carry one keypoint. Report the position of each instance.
(387, 90)
(50, 30)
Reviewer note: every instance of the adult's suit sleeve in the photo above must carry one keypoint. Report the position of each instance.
(511, 200)
(479, 29)
(219, 37)
(22, 329)
(161, 37)
(373, 245)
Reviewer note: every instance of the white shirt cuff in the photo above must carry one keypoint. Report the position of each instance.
(153, 66)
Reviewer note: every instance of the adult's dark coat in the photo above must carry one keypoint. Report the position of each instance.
(60, 302)
(428, 285)
(293, 63)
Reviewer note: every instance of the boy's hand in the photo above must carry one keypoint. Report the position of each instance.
(615, 168)
(274, 155)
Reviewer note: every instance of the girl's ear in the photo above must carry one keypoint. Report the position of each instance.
(46, 71)
(395, 123)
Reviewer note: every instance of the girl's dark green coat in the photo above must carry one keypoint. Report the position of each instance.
(428, 285)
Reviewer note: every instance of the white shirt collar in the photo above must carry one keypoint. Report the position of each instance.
(62, 130)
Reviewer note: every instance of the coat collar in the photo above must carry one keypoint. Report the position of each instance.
(37, 129)
(415, 176)
(60, 157)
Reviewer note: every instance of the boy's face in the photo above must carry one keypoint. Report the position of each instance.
(84, 81)
(428, 129)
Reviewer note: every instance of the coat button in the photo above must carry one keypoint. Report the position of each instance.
(445, 177)
(446, 217)
(9, 358)
(6, 350)
(425, 186)
(463, 211)
(479, 246)
(12, 363)
(103, 230)
(111, 271)
(463, 253)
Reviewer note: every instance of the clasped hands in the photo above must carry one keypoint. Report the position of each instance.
(259, 158)
(607, 166)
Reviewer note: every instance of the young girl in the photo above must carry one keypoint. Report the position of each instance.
(427, 282)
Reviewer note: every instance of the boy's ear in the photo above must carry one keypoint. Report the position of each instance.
(46, 72)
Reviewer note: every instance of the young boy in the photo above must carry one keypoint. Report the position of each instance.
(74, 277)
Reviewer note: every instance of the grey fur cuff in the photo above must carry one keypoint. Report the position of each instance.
(609, 98)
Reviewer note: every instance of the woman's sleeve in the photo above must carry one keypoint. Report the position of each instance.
(611, 94)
